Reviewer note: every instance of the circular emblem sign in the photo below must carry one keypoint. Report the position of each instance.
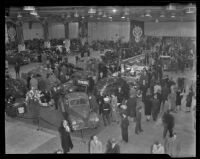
(137, 33)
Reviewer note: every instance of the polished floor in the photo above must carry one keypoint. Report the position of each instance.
(24, 138)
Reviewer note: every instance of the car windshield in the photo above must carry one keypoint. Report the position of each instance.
(78, 102)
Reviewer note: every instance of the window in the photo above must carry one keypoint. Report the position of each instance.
(75, 102)
(83, 101)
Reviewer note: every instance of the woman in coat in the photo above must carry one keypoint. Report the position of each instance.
(179, 96)
(155, 107)
(189, 100)
(172, 99)
(124, 128)
(66, 141)
(148, 105)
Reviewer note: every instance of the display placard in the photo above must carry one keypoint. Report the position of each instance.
(82, 82)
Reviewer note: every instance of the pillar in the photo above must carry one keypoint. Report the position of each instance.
(83, 31)
(67, 40)
(20, 36)
(46, 34)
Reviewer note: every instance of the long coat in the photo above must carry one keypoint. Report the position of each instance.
(66, 141)
(131, 106)
(124, 128)
(148, 105)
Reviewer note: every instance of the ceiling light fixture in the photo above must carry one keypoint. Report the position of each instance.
(148, 13)
(29, 8)
(104, 15)
(162, 15)
(76, 15)
(92, 11)
(82, 17)
(114, 10)
(171, 7)
(19, 15)
(123, 17)
(156, 21)
(110, 17)
(172, 16)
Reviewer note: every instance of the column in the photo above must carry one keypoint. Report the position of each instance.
(83, 31)
(6, 33)
(46, 34)
(20, 36)
(67, 40)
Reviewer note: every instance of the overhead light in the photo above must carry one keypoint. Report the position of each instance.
(19, 15)
(172, 16)
(126, 13)
(29, 8)
(162, 15)
(92, 11)
(123, 17)
(110, 17)
(171, 7)
(156, 21)
(82, 17)
(148, 15)
(76, 15)
(114, 10)
(104, 15)
(33, 13)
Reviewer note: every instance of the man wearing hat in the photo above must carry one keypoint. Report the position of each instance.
(138, 128)
(106, 111)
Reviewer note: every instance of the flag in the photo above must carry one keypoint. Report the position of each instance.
(136, 31)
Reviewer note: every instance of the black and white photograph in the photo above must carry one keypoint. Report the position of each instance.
(101, 79)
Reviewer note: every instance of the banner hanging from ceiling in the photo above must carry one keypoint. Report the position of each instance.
(136, 31)
(11, 31)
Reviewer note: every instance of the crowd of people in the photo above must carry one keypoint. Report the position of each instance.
(160, 95)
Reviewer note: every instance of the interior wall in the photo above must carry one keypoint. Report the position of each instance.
(35, 32)
(56, 31)
(108, 31)
(111, 30)
(185, 29)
